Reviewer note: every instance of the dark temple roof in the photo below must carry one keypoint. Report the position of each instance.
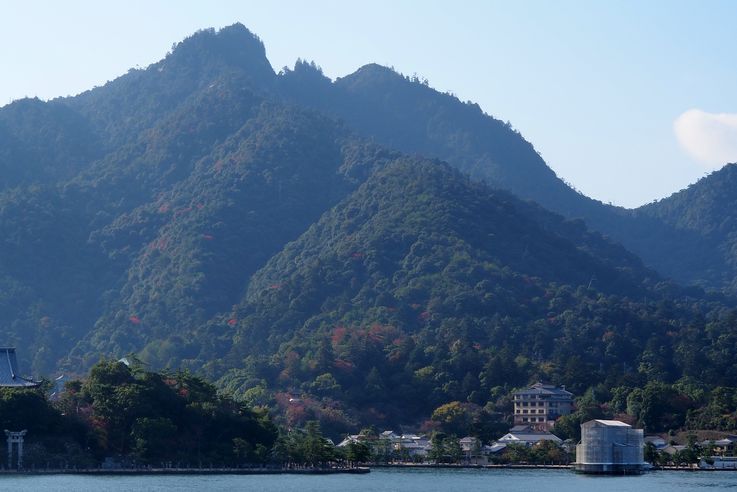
(9, 376)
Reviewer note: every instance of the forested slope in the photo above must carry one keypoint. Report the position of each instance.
(346, 241)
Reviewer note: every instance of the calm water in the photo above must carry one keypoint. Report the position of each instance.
(387, 480)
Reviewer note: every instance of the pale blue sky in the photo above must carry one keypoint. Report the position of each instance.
(595, 86)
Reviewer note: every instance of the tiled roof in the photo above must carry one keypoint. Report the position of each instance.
(545, 389)
(495, 448)
(531, 437)
(521, 429)
(9, 376)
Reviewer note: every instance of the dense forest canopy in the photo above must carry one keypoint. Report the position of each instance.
(368, 247)
(125, 412)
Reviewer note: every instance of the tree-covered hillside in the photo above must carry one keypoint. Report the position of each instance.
(197, 245)
(424, 288)
(282, 233)
(703, 244)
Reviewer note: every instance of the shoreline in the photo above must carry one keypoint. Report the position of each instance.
(470, 467)
(359, 470)
(190, 471)
(510, 466)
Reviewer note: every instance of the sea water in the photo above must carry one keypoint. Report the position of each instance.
(382, 479)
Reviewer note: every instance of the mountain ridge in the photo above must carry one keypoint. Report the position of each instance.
(280, 232)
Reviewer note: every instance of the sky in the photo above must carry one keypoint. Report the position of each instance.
(627, 101)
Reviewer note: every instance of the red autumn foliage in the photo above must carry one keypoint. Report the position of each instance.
(343, 365)
(339, 334)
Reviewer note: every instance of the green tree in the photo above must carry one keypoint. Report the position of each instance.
(456, 417)
(357, 452)
(153, 439)
(445, 449)
(316, 448)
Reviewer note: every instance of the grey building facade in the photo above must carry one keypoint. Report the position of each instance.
(610, 447)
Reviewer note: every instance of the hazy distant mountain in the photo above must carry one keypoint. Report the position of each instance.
(701, 238)
(410, 116)
(407, 115)
(272, 231)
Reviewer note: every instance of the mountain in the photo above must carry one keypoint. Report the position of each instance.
(406, 114)
(376, 102)
(703, 243)
(135, 102)
(284, 233)
(81, 169)
(43, 142)
(197, 245)
(424, 287)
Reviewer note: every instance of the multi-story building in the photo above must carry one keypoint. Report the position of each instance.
(541, 404)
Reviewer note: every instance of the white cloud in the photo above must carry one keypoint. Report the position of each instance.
(710, 138)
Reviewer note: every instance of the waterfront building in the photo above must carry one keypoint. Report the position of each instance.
(541, 404)
(672, 449)
(352, 438)
(410, 446)
(527, 435)
(721, 447)
(413, 446)
(473, 450)
(494, 448)
(390, 435)
(9, 376)
(718, 463)
(610, 447)
(470, 444)
(658, 441)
